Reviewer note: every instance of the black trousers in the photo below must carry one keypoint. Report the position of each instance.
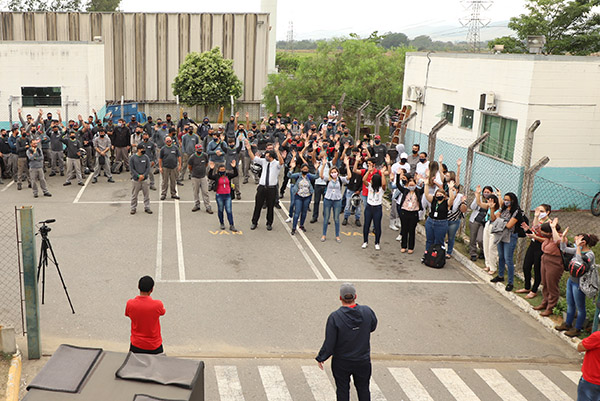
(360, 372)
(284, 183)
(533, 258)
(319, 193)
(409, 221)
(137, 350)
(264, 195)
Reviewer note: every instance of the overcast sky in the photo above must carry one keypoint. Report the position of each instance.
(326, 18)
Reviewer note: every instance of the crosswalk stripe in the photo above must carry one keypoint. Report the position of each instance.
(274, 383)
(455, 385)
(319, 383)
(544, 385)
(500, 385)
(229, 384)
(573, 375)
(409, 383)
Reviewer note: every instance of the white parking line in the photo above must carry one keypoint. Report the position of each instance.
(314, 251)
(180, 260)
(7, 186)
(300, 247)
(314, 280)
(159, 239)
(83, 188)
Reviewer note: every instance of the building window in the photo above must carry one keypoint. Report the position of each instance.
(503, 133)
(448, 111)
(36, 96)
(466, 120)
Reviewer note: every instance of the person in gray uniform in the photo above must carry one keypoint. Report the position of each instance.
(73, 154)
(102, 146)
(139, 165)
(36, 168)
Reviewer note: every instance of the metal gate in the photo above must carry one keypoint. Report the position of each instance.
(11, 290)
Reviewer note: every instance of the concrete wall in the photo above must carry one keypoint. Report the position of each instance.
(560, 91)
(144, 50)
(78, 68)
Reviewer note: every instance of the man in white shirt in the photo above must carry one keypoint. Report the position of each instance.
(333, 115)
(267, 185)
(423, 164)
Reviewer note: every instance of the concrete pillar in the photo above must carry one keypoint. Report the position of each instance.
(270, 6)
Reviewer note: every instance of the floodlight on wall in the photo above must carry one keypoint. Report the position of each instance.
(535, 43)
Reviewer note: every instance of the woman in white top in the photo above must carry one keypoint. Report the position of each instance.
(373, 208)
(333, 197)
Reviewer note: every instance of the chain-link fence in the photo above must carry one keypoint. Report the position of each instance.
(11, 312)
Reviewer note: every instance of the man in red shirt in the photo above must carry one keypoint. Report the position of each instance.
(145, 314)
(589, 384)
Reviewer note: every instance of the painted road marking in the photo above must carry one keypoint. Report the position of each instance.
(274, 383)
(574, 375)
(180, 260)
(455, 385)
(311, 280)
(228, 383)
(159, 240)
(83, 188)
(409, 383)
(300, 247)
(500, 385)
(544, 385)
(8, 186)
(319, 383)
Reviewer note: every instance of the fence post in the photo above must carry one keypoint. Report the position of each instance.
(469, 161)
(341, 106)
(277, 102)
(359, 118)
(10, 100)
(526, 199)
(32, 307)
(232, 105)
(378, 118)
(403, 126)
(433, 138)
(528, 148)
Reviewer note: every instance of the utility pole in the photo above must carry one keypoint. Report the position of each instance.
(474, 22)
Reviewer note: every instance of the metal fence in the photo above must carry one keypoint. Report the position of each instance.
(11, 311)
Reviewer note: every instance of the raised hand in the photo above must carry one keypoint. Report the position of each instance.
(247, 115)
(211, 165)
(233, 163)
(478, 189)
(237, 114)
(459, 162)
(554, 223)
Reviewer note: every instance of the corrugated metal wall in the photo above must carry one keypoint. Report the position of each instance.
(143, 52)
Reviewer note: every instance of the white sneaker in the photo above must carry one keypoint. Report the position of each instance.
(399, 237)
(377, 247)
(364, 245)
(393, 227)
(288, 219)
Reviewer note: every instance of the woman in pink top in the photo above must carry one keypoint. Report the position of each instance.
(552, 265)
(223, 189)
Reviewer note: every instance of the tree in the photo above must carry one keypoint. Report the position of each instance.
(358, 67)
(41, 5)
(570, 26)
(422, 42)
(511, 45)
(103, 5)
(391, 40)
(206, 79)
(287, 63)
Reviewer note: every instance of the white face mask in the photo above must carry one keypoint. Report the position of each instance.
(543, 215)
(334, 175)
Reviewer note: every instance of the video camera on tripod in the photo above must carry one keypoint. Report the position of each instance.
(44, 259)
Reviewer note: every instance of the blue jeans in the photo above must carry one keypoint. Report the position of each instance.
(348, 208)
(453, 227)
(301, 204)
(224, 202)
(336, 205)
(587, 391)
(506, 252)
(435, 232)
(292, 204)
(575, 300)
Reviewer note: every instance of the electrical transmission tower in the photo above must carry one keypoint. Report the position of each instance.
(474, 22)
(290, 36)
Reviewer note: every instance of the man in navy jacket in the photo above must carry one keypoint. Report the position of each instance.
(347, 339)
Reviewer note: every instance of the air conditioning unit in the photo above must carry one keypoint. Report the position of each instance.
(487, 102)
(414, 94)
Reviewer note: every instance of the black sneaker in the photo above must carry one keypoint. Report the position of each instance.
(345, 222)
(293, 231)
(94, 180)
(313, 220)
(233, 229)
(474, 258)
(180, 183)
(52, 174)
(62, 173)
(111, 180)
(148, 211)
(253, 226)
(19, 186)
(175, 197)
(269, 227)
(238, 196)
(29, 185)
(497, 279)
(222, 226)
(302, 228)
(66, 183)
(277, 206)
(162, 197)
(481, 256)
(358, 223)
(195, 208)
(209, 211)
(48, 194)
(80, 183)
(509, 287)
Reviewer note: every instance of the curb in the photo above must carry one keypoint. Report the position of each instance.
(14, 378)
(547, 323)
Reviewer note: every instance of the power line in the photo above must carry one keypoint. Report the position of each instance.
(474, 22)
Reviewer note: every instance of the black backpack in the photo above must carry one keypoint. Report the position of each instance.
(116, 168)
(435, 256)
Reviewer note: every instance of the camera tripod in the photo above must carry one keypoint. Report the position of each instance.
(46, 245)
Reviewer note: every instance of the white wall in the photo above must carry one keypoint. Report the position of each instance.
(562, 92)
(75, 67)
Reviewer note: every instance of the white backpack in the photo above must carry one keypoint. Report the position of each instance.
(588, 283)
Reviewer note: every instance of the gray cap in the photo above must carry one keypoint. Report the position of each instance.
(347, 291)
